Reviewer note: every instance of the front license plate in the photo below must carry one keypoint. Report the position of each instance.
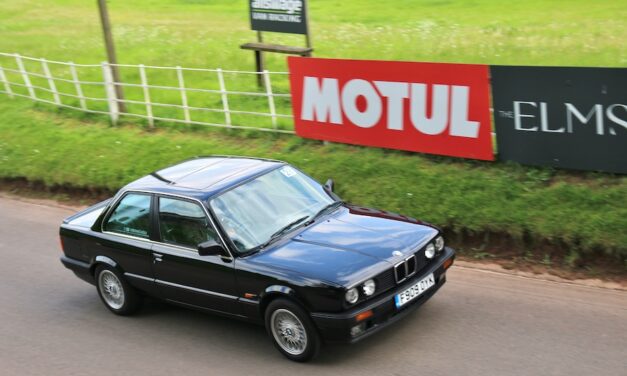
(414, 291)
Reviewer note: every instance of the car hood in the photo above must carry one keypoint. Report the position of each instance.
(350, 245)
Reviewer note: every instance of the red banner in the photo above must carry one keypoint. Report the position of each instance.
(423, 107)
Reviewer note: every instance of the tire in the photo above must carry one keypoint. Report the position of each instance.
(291, 330)
(116, 294)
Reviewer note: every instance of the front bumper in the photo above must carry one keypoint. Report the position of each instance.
(336, 327)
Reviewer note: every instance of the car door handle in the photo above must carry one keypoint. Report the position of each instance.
(157, 257)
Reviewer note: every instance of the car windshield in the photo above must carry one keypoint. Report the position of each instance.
(260, 210)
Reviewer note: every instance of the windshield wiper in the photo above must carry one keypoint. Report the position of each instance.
(326, 208)
(291, 225)
(280, 232)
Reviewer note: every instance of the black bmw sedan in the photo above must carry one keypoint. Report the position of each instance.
(258, 240)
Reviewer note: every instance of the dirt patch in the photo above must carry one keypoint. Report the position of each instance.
(536, 256)
(496, 268)
(59, 194)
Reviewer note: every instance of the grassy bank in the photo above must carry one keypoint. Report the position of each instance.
(583, 213)
(540, 214)
(202, 33)
(208, 34)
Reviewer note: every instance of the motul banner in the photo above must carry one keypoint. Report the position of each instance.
(423, 107)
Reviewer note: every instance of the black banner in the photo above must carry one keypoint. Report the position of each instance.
(281, 16)
(561, 117)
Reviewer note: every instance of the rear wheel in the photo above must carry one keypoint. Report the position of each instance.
(116, 294)
(291, 330)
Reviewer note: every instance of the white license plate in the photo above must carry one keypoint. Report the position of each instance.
(414, 291)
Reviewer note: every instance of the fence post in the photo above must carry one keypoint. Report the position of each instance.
(112, 100)
(4, 79)
(53, 87)
(77, 85)
(179, 74)
(144, 81)
(29, 86)
(225, 100)
(266, 77)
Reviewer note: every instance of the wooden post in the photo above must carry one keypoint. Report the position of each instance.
(144, 81)
(225, 99)
(7, 87)
(266, 76)
(77, 86)
(22, 69)
(259, 63)
(112, 101)
(53, 87)
(179, 74)
(111, 57)
(307, 37)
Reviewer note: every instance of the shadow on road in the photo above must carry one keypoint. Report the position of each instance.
(164, 320)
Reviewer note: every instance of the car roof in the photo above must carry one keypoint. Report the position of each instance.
(203, 177)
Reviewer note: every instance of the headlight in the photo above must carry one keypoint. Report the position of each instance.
(430, 251)
(439, 243)
(369, 287)
(352, 295)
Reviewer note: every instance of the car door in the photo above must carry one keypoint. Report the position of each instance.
(181, 274)
(125, 238)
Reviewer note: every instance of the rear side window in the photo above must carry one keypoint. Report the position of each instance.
(184, 223)
(131, 216)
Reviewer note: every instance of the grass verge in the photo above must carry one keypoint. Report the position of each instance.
(207, 34)
(532, 214)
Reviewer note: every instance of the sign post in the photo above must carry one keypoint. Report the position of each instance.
(279, 16)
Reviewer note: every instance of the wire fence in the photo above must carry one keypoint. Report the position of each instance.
(211, 97)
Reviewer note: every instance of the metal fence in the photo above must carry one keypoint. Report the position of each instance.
(211, 97)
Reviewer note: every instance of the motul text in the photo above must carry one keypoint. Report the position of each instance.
(424, 107)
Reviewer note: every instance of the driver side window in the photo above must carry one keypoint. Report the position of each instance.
(184, 223)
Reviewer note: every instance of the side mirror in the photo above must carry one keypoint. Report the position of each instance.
(329, 185)
(210, 248)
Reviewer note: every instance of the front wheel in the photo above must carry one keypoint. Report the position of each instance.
(291, 330)
(117, 295)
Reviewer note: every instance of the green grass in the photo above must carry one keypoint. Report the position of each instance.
(208, 34)
(586, 212)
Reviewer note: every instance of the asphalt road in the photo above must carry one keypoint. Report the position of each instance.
(480, 323)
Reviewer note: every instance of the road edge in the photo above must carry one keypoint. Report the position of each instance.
(478, 266)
